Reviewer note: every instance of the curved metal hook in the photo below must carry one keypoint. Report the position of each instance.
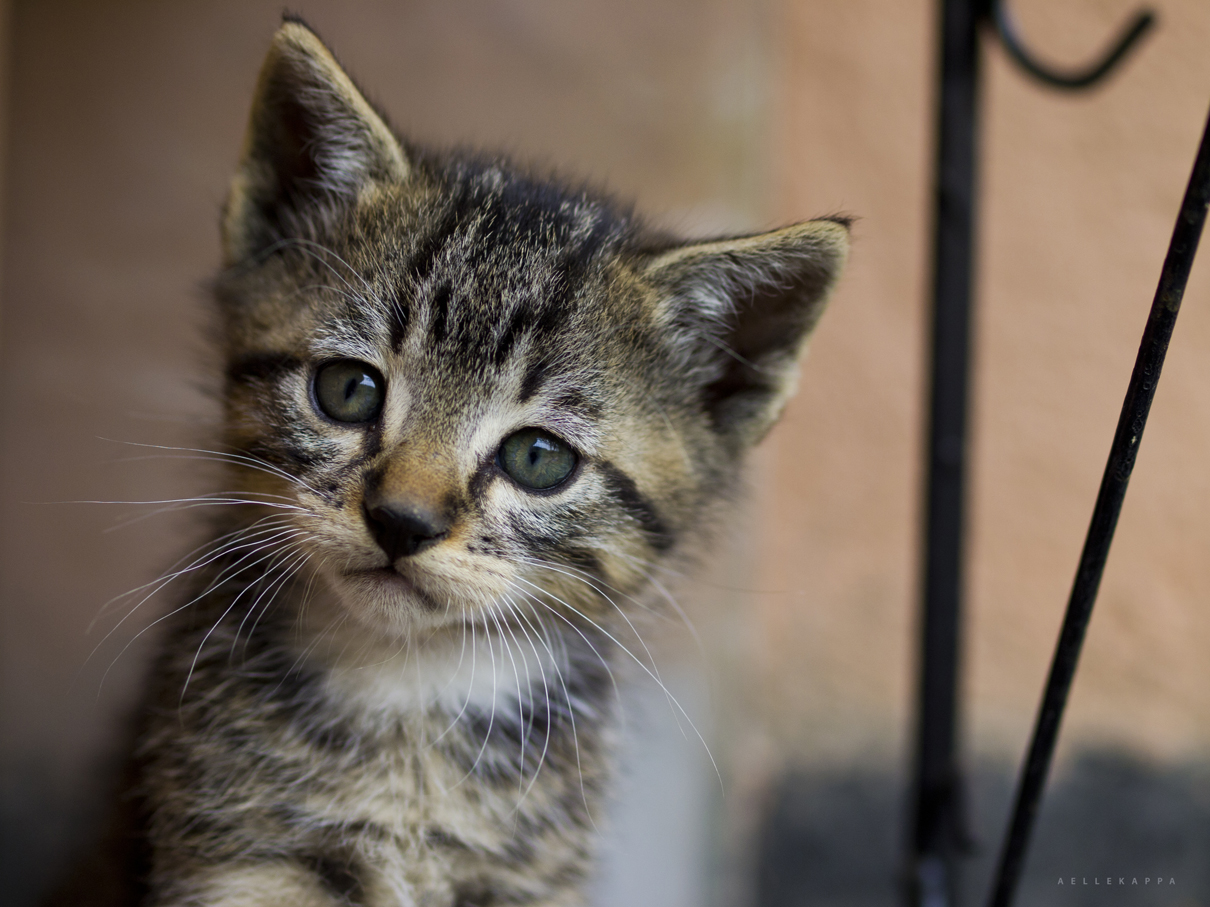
(1069, 79)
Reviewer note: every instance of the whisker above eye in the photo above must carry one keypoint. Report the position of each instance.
(313, 250)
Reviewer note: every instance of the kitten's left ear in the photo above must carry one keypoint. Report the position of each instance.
(744, 309)
(312, 137)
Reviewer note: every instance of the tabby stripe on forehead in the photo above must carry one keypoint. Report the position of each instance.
(261, 367)
(535, 320)
(439, 309)
(425, 256)
(533, 379)
(517, 325)
(576, 401)
(623, 489)
(578, 259)
(400, 317)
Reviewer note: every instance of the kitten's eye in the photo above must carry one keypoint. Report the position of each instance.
(535, 459)
(349, 391)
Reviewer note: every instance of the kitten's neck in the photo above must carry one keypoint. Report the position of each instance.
(482, 666)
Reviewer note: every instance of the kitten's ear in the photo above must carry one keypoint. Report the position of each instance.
(311, 136)
(746, 307)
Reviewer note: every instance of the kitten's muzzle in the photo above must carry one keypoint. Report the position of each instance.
(402, 530)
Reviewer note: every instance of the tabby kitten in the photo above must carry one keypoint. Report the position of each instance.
(468, 413)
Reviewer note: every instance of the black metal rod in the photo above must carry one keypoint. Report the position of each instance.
(1122, 453)
(937, 832)
(1071, 78)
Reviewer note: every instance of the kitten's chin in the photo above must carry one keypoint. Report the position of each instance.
(389, 602)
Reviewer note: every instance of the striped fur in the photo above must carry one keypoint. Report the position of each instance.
(327, 726)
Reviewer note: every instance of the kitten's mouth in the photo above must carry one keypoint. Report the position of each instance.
(395, 582)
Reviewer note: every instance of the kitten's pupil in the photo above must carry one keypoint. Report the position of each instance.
(537, 449)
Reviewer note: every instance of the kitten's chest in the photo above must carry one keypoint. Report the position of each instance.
(433, 778)
(483, 771)
(425, 775)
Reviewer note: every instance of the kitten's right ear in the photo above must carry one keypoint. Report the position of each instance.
(741, 311)
(312, 136)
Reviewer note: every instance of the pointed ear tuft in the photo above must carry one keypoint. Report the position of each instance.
(312, 136)
(744, 308)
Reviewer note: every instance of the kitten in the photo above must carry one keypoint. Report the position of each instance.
(467, 413)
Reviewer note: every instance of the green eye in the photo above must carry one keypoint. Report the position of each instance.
(349, 391)
(535, 459)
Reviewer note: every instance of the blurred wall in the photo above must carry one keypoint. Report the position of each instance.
(125, 120)
(1079, 194)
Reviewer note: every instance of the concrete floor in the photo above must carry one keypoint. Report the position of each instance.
(833, 839)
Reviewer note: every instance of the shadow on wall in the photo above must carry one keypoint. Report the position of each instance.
(833, 839)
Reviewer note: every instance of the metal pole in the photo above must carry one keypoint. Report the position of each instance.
(938, 826)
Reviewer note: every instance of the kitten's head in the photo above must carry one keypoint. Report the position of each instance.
(471, 390)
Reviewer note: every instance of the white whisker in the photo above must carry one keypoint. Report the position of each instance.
(197, 564)
(546, 693)
(205, 560)
(274, 557)
(520, 693)
(571, 711)
(672, 699)
(668, 597)
(300, 558)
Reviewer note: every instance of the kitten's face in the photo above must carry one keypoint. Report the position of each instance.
(473, 398)
(477, 393)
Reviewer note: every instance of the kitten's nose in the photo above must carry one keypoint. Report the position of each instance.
(402, 531)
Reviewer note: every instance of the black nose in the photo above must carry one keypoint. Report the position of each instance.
(402, 531)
